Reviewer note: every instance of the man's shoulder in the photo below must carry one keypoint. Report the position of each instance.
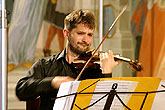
(51, 58)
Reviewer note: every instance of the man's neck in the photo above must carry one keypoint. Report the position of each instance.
(70, 56)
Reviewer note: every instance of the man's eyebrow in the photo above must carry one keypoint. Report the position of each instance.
(80, 31)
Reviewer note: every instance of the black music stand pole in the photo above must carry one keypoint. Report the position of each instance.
(110, 98)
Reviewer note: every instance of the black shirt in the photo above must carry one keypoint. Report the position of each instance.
(38, 81)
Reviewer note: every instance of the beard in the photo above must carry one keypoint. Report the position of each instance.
(77, 49)
(74, 46)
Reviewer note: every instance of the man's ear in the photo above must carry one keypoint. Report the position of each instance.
(66, 33)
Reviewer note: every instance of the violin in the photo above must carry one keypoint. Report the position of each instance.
(95, 61)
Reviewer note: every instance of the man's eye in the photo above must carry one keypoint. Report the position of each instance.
(90, 35)
(79, 33)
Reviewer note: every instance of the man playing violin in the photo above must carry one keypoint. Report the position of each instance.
(46, 75)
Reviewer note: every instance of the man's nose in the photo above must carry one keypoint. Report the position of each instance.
(85, 38)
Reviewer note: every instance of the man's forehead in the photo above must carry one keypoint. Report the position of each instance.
(83, 24)
(83, 27)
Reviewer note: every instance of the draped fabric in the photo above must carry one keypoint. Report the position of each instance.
(153, 38)
(138, 18)
(24, 29)
(137, 24)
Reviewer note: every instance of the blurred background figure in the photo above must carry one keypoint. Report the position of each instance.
(55, 14)
(26, 20)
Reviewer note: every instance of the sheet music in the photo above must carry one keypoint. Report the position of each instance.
(66, 88)
(106, 86)
(159, 100)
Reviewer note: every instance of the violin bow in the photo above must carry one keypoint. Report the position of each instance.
(110, 29)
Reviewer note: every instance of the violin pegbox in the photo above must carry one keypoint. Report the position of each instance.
(136, 66)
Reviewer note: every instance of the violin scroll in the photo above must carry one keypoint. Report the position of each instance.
(136, 65)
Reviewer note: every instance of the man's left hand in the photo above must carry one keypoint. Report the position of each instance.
(107, 62)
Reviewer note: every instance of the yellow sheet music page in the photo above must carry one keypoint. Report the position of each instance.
(146, 84)
(83, 100)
